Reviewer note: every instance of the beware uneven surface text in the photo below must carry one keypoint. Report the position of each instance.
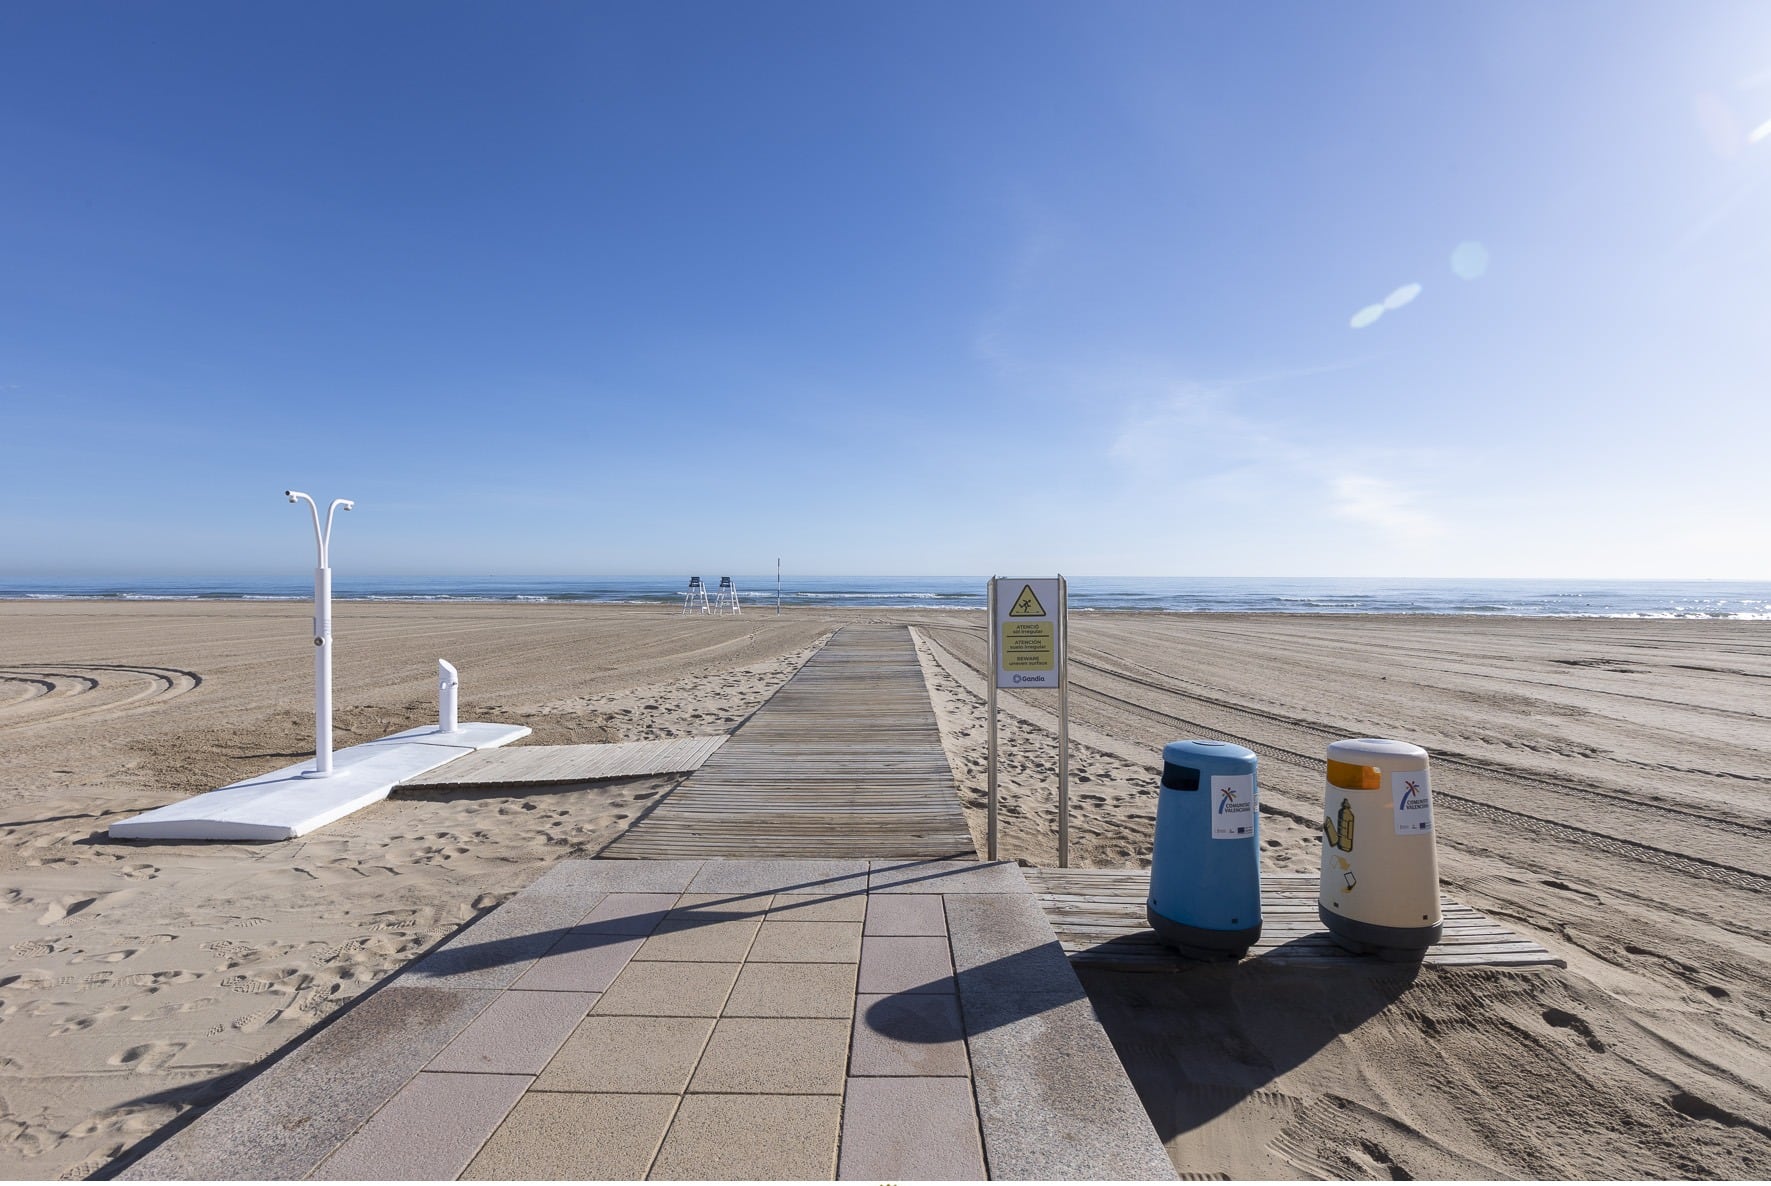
(1029, 646)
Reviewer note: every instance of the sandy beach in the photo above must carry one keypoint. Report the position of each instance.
(1602, 787)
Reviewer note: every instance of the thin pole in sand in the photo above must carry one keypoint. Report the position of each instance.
(322, 630)
(777, 586)
(990, 711)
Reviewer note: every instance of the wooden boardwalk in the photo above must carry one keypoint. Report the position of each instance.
(844, 760)
(1099, 917)
(538, 764)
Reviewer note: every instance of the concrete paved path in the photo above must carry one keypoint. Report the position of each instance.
(750, 1019)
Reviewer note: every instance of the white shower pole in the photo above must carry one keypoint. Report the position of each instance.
(448, 684)
(322, 631)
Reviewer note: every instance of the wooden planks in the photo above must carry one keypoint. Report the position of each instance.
(844, 760)
(537, 764)
(1099, 917)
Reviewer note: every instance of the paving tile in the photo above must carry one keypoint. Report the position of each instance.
(634, 1055)
(781, 942)
(1053, 1100)
(627, 914)
(891, 963)
(793, 990)
(287, 1120)
(946, 877)
(582, 961)
(752, 1138)
(499, 947)
(576, 1136)
(690, 940)
(427, 1132)
(619, 877)
(780, 877)
(910, 1130)
(906, 914)
(661, 989)
(772, 1056)
(719, 907)
(1003, 943)
(908, 1034)
(839, 906)
(517, 1033)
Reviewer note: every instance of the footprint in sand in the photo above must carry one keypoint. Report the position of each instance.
(73, 1025)
(159, 979)
(31, 949)
(333, 954)
(1562, 1019)
(147, 1057)
(247, 984)
(228, 950)
(388, 921)
(64, 908)
(318, 1000)
(174, 1009)
(89, 1165)
(253, 1022)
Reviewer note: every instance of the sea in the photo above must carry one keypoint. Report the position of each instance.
(1179, 595)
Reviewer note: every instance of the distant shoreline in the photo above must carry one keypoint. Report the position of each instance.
(760, 604)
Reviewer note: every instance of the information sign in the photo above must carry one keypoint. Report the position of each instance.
(1028, 641)
(1028, 637)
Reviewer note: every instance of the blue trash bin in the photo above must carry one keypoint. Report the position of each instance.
(1205, 871)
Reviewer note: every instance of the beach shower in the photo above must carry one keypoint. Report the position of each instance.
(322, 629)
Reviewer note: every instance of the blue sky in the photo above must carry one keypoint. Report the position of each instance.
(906, 288)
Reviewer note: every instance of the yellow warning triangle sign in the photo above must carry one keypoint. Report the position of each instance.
(1026, 605)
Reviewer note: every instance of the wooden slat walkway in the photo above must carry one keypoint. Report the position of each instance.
(844, 760)
(1099, 917)
(535, 764)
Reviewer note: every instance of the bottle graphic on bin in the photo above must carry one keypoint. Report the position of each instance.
(1340, 829)
(1396, 911)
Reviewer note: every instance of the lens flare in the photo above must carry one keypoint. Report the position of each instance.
(1366, 316)
(1469, 260)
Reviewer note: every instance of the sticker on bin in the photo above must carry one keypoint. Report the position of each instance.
(1414, 802)
(1232, 806)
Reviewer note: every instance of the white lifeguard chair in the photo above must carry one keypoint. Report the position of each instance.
(726, 600)
(695, 598)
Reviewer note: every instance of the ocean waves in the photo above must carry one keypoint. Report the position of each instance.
(1745, 601)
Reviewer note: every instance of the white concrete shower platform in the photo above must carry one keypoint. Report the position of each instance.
(289, 802)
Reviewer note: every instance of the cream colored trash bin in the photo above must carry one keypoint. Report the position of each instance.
(1380, 869)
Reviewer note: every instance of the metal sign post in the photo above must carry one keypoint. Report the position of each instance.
(990, 633)
(1029, 644)
(1063, 722)
(322, 630)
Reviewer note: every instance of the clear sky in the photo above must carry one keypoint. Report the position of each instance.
(888, 288)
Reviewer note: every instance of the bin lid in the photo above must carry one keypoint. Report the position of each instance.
(1372, 751)
(1207, 755)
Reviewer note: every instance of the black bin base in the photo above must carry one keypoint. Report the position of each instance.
(1201, 942)
(1397, 944)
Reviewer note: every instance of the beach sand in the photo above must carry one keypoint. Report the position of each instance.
(1581, 766)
